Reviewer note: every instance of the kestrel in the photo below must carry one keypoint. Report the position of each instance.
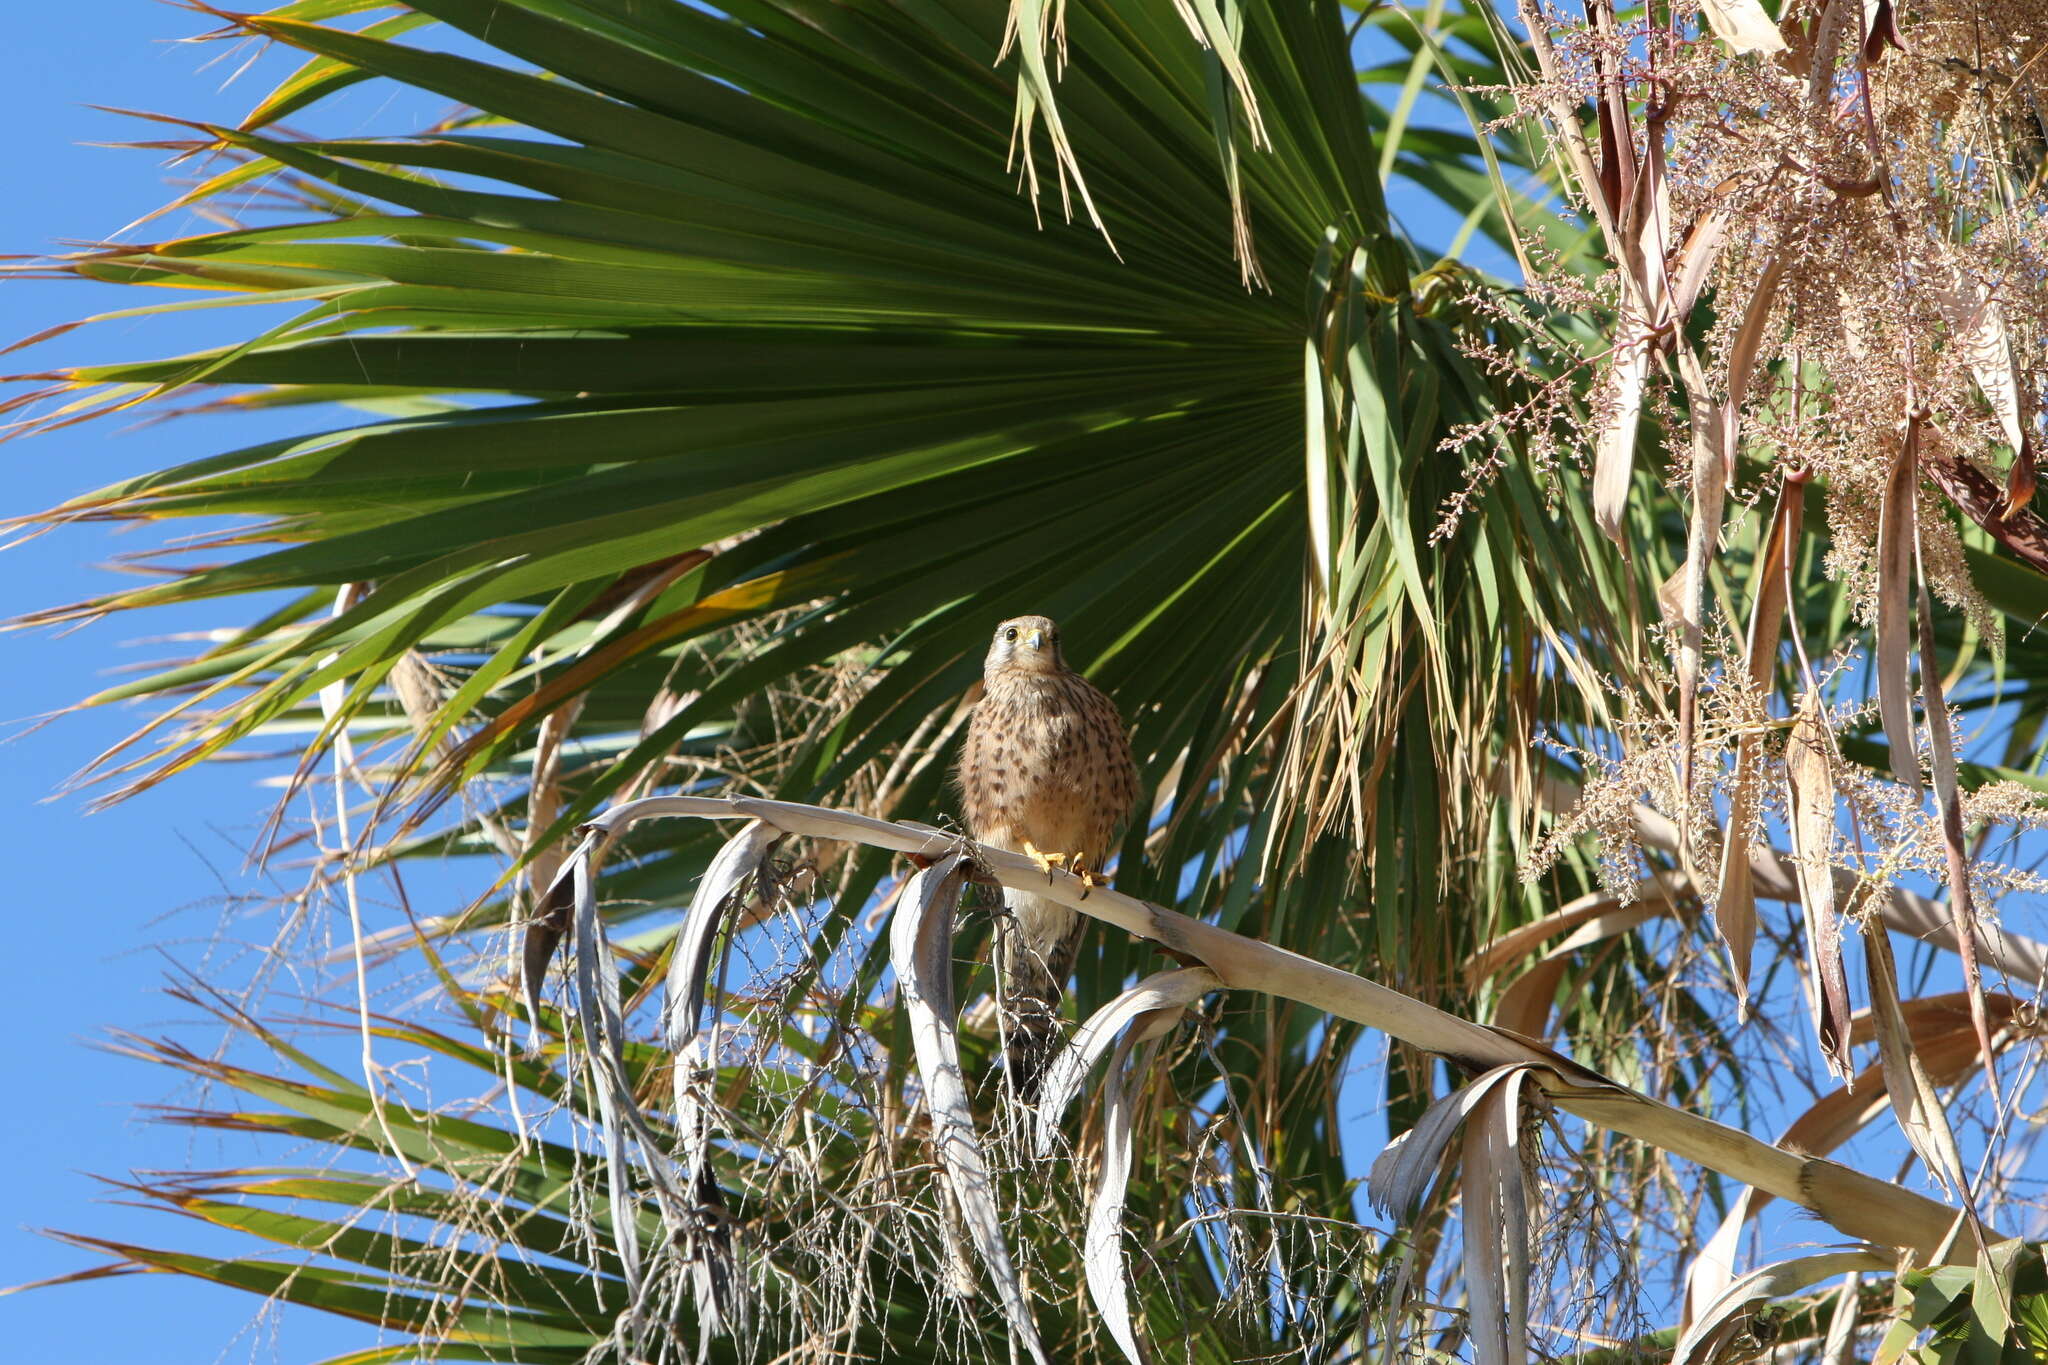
(1046, 772)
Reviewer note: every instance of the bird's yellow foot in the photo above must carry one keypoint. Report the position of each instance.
(1046, 861)
(1089, 881)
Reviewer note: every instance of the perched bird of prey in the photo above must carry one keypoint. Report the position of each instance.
(1046, 772)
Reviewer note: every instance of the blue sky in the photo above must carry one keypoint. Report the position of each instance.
(103, 904)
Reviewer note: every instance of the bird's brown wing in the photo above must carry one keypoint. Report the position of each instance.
(1105, 774)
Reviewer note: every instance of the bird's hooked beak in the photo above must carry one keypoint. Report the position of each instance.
(1036, 639)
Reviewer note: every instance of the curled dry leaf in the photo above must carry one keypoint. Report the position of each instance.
(1703, 534)
(1725, 1317)
(1151, 1008)
(1495, 1192)
(602, 1026)
(1839, 1346)
(1742, 354)
(1651, 214)
(1977, 323)
(1881, 30)
(1907, 1084)
(1695, 263)
(1809, 778)
(1713, 1270)
(690, 964)
(921, 951)
(708, 1244)
(1135, 1021)
(1102, 1246)
(1743, 25)
(1644, 230)
(547, 891)
(1497, 1245)
(1401, 1174)
(1618, 168)
(2016, 527)
(1895, 537)
(1735, 898)
(1948, 797)
(545, 928)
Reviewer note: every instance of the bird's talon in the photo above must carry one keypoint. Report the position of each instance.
(1046, 861)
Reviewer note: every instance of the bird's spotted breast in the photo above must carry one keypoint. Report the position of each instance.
(1046, 756)
(1047, 761)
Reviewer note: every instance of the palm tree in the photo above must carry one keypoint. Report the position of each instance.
(716, 379)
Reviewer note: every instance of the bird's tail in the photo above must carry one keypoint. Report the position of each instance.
(1035, 956)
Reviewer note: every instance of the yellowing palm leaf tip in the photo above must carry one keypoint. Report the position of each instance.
(1573, 681)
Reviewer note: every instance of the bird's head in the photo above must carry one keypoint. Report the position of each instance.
(1025, 644)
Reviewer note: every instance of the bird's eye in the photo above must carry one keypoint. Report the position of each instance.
(1010, 634)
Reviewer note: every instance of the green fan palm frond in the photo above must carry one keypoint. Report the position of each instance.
(749, 300)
